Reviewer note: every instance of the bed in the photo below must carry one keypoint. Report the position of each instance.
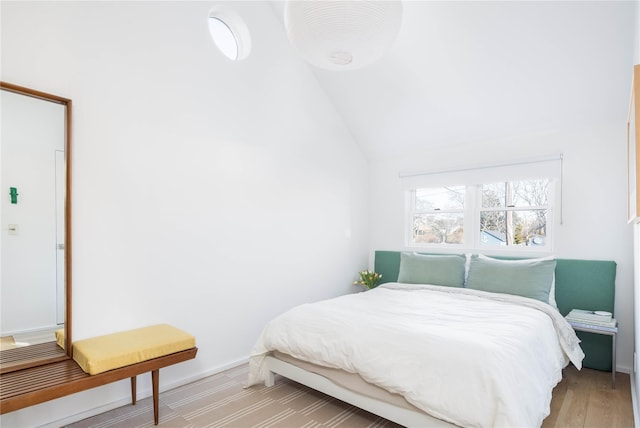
(440, 343)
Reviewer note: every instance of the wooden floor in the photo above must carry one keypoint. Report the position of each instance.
(585, 399)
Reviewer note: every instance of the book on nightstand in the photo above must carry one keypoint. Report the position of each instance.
(598, 318)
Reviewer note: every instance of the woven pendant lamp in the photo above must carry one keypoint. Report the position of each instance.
(342, 34)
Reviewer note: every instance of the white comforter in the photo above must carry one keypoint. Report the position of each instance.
(469, 357)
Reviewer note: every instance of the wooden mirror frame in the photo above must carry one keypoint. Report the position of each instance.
(28, 360)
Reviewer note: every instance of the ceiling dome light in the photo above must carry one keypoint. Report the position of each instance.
(342, 34)
(223, 37)
(229, 33)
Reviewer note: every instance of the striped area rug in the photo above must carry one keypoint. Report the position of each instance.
(221, 401)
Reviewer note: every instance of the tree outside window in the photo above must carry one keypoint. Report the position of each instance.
(514, 213)
(438, 216)
(508, 213)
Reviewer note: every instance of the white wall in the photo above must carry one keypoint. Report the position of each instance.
(208, 194)
(594, 205)
(32, 130)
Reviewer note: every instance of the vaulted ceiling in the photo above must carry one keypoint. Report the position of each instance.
(465, 72)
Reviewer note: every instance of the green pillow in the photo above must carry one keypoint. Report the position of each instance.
(531, 280)
(435, 269)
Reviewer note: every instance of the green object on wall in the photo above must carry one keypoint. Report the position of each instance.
(14, 195)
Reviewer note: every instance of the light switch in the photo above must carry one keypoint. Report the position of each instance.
(13, 229)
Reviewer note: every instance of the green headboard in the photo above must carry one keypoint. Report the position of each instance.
(581, 284)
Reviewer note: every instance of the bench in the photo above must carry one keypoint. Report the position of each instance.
(99, 361)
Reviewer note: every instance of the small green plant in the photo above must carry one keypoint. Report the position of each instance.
(368, 279)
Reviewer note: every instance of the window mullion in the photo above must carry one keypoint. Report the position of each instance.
(471, 216)
(411, 210)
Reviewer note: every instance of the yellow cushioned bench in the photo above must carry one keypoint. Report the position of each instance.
(60, 337)
(99, 361)
(111, 351)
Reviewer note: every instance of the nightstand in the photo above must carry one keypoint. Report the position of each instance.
(598, 329)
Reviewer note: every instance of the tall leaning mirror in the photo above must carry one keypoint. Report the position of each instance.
(35, 240)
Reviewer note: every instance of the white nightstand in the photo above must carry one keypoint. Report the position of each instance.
(598, 329)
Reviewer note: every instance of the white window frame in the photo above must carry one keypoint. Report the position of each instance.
(472, 209)
(411, 211)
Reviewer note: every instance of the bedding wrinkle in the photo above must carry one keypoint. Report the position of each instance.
(469, 357)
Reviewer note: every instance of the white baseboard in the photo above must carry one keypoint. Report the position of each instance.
(87, 414)
(35, 336)
(634, 401)
(623, 369)
(143, 393)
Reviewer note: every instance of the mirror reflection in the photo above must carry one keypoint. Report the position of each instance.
(34, 286)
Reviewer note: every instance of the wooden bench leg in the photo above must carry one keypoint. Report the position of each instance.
(133, 390)
(155, 377)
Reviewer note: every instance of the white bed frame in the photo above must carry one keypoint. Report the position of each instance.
(400, 415)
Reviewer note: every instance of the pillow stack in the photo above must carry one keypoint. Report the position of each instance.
(532, 278)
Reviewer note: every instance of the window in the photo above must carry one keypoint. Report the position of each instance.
(224, 38)
(514, 213)
(438, 215)
(229, 33)
(507, 214)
